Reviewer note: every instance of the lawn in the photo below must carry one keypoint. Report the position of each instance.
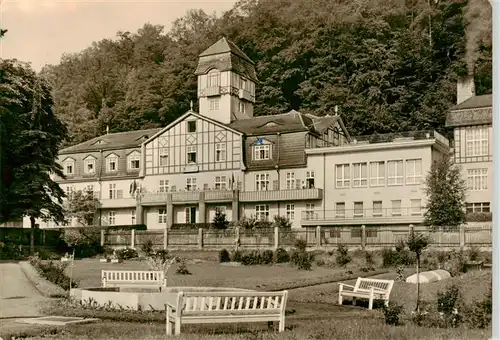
(312, 312)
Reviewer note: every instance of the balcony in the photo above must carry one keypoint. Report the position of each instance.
(123, 202)
(154, 198)
(212, 91)
(247, 95)
(219, 196)
(281, 195)
(181, 197)
(364, 216)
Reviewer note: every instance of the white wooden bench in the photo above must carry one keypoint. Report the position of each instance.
(226, 307)
(133, 278)
(371, 289)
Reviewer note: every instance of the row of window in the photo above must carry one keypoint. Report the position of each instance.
(392, 172)
(89, 164)
(377, 209)
(291, 182)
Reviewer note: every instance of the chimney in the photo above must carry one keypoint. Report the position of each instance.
(465, 88)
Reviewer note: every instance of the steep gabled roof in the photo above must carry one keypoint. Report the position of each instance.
(474, 111)
(119, 140)
(475, 102)
(225, 46)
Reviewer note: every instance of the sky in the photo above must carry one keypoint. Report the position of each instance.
(40, 31)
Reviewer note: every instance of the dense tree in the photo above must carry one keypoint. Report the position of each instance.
(389, 65)
(31, 138)
(445, 189)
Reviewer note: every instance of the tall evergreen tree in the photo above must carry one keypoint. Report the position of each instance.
(31, 138)
(445, 191)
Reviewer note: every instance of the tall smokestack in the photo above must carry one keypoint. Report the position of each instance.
(465, 88)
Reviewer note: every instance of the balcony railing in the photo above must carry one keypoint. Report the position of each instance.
(247, 95)
(122, 202)
(346, 216)
(212, 91)
(281, 195)
(187, 196)
(219, 195)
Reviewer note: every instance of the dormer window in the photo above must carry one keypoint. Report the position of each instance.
(134, 161)
(191, 126)
(69, 166)
(261, 152)
(112, 163)
(213, 78)
(89, 165)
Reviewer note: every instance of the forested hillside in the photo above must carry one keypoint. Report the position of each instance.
(390, 65)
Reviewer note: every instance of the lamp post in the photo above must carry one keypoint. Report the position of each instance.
(495, 234)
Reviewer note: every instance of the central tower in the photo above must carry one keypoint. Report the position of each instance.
(226, 82)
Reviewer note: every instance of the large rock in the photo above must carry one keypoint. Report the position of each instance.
(430, 276)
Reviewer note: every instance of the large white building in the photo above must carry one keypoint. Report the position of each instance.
(296, 165)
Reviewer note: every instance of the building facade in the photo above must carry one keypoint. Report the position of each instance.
(303, 167)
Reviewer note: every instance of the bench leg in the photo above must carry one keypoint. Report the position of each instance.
(177, 326)
(353, 301)
(386, 303)
(281, 327)
(341, 300)
(370, 303)
(169, 324)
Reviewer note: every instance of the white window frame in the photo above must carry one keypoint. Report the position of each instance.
(416, 207)
(291, 182)
(214, 104)
(377, 174)
(478, 207)
(111, 160)
(343, 175)
(191, 184)
(69, 165)
(477, 179)
(396, 208)
(261, 152)
(162, 215)
(111, 217)
(356, 209)
(414, 171)
(191, 150)
(340, 212)
(241, 107)
(309, 211)
(262, 182)
(134, 157)
(477, 141)
(310, 182)
(86, 163)
(290, 212)
(376, 210)
(163, 186)
(213, 78)
(113, 192)
(220, 183)
(397, 178)
(358, 180)
(133, 217)
(163, 157)
(220, 152)
(262, 212)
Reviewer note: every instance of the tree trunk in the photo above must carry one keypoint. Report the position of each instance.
(418, 283)
(32, 236)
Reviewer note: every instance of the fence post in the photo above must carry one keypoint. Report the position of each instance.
(132, 238)
(363, 237)
(318, 237)
(165, 239)
(200, 238)
(462, 236)
(276, 237)
(237, 238)
(102, 237)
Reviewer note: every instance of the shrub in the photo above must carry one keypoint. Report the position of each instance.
(282, 222)
(302, 260)
(236, 256)
(392, 314)
(389, 257)
(300, 244)
(251, 258)
(224, 256)
(473, 254)
(52, 271)
(147, 247)
(478, 315)
(369, 263)
(281, 256)
(457, 264)
(182, 269)
(126, 253)
(266, 257)
(447, 303)
(400, 274)
(220, 220)
(342, 257)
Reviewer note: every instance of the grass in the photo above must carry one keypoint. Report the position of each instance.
(312, 312)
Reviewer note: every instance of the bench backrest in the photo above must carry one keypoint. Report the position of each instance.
(133, 275)
(222, 303)
(364, 285)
